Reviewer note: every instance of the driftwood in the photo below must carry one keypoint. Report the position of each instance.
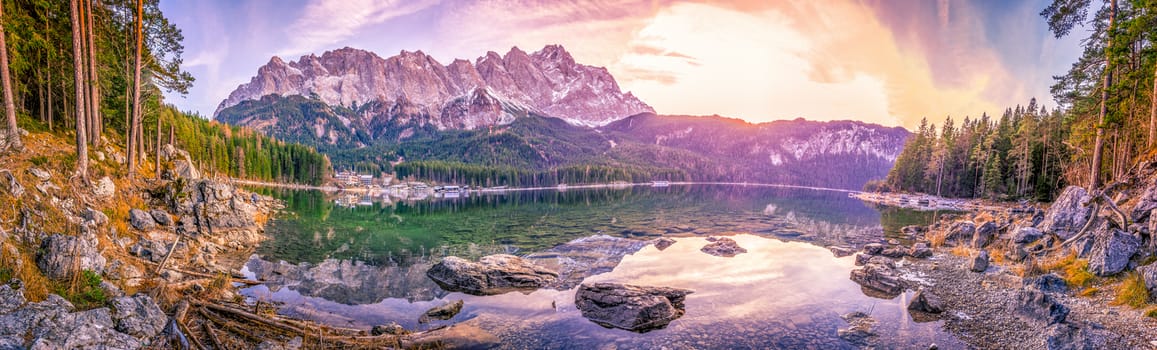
(212, 336)
(168, 255)
(230, 326)
(232, 277)
(252, 317)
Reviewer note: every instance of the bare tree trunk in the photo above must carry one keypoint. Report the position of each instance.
(157, 156)
(78, 75)
(94, 84)
(135, 124)
(9, 105)
(1099, 144)
(50, 111)
(1153, 110)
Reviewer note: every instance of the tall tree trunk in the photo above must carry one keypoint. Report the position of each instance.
(136, 121)
(157, 148)
(9, 105)
(1099, 144)
(94, 83)
(50, 111)
(78, 75)
(1153, 110)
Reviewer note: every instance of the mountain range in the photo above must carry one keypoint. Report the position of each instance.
(535, 112)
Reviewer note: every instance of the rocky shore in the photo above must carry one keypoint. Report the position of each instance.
(1079, 275)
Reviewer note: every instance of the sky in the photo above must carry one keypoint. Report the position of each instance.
(890, 62)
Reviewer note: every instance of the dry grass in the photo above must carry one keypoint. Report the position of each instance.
(1088, 292)
(1151, 313)
(937, 238)
(22, 266)
(997, 256)
(961, 250)
(1074, 271)
(1132, 291)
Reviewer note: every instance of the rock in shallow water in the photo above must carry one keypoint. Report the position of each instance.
(878, 278)
(925, 301)
(443, 312)
(634, 308)
(860, 331)
(494, 274)
(724, 247)
(662, 243)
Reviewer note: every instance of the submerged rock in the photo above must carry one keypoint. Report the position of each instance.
(584, 257)
(459, 336)
(860, 331)
(1067, 214)
(1034, 304)
(634, 308)
(724, 247)
(442, 312)
(1111, 252)
(494, 274)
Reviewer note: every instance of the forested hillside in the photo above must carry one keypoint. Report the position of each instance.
(1107, 120)
(95, 71)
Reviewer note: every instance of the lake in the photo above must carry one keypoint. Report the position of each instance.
(361, 265)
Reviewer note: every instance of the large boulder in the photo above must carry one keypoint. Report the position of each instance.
(182, 164)
(1149, 274)
(62, 256)
(984, 235)
(1111, 252)
(52, 324)
(724, 247)
(1067, 214)
(960, 231)
(493, 274)
(1036, 305)
(634, 308)
(138, 316)
(1026, 235)
(142, 220)
(217, 207)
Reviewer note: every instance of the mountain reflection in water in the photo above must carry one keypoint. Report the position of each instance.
(366, 266)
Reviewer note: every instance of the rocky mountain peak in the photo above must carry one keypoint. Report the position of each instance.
(547, 82)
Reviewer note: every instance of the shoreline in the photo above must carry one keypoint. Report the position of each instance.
(328, 188)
